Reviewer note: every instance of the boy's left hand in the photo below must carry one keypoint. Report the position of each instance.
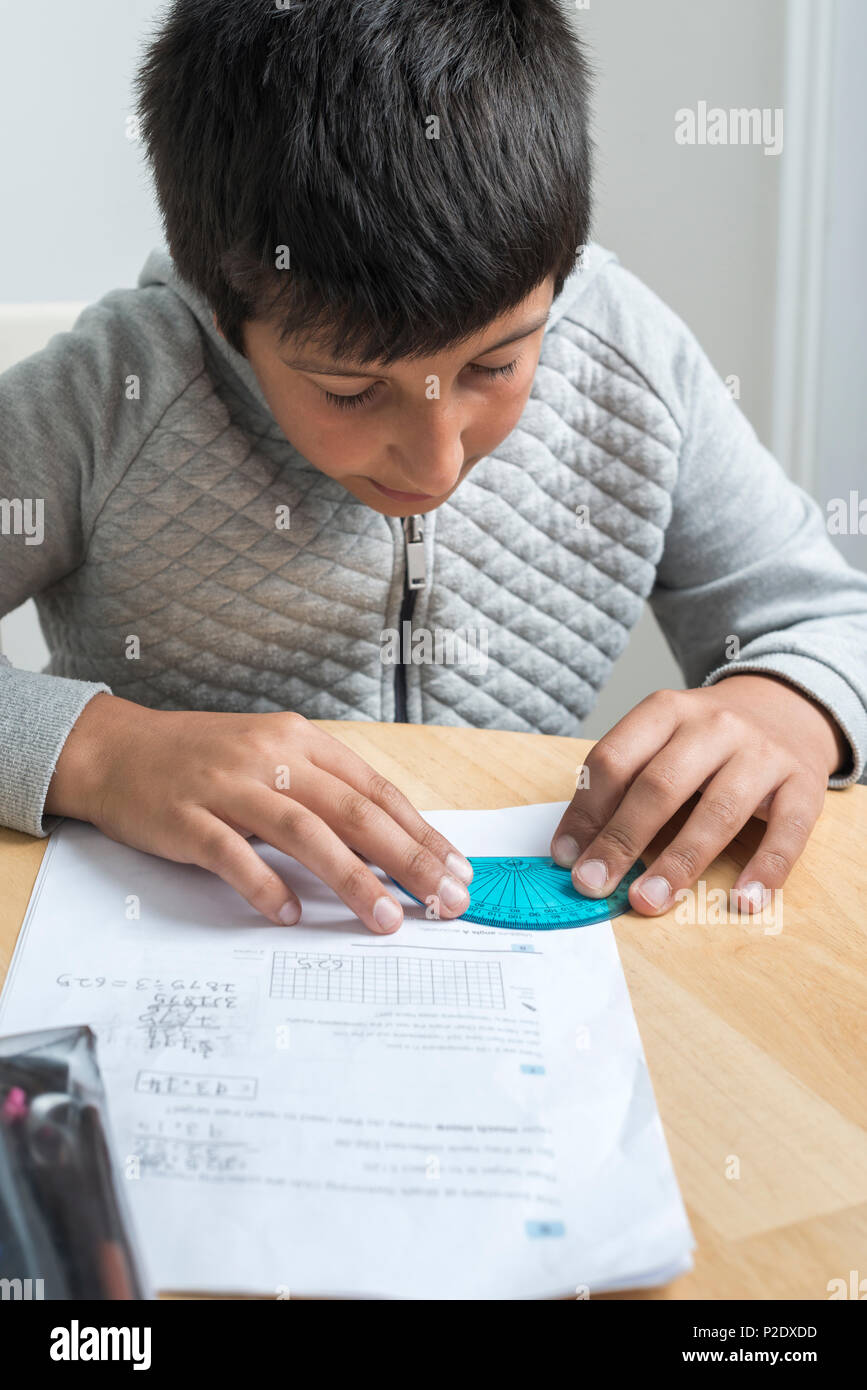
(753, 745)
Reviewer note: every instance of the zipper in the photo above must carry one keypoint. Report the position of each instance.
(414, 576)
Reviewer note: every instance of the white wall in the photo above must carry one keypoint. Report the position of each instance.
(79, 219)
(698, 224)
(841, 408)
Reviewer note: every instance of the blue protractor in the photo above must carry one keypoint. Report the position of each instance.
(532, 893)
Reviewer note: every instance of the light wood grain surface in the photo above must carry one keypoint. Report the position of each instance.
(754, 1037)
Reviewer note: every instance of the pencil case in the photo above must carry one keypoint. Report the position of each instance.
(65, 1226)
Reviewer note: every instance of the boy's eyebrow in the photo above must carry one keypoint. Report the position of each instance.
(308, 365)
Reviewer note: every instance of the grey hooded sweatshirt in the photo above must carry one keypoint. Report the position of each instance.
(188, 557)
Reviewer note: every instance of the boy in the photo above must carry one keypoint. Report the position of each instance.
(379, 382)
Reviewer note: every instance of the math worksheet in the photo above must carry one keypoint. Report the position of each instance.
(452, 1112)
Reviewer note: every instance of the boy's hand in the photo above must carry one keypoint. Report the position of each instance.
(193, 786)
(753, 745)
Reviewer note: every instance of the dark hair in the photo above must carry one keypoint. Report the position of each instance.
(307, 126)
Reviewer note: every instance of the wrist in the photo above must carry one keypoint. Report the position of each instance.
(78, 784)
(835, 746)
(843, 748)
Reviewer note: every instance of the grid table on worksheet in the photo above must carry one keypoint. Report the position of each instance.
(376, 978)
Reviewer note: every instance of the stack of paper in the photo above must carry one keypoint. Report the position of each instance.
(451, 1112)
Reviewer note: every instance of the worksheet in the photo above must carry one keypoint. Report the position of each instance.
(451, 1112)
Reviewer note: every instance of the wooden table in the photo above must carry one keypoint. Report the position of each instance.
(755, 1038)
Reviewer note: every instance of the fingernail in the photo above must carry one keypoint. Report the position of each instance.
(461, 867)
(387, 913)
(756, 895)
(289, 914)
(453, 894)
(564, 851)
(593, 873)
(655, 890)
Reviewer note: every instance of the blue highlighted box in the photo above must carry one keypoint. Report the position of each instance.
(531, 1069)
(544, 1230)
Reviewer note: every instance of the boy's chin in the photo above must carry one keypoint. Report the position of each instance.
(386, 507)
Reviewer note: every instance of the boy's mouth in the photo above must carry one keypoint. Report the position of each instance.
(396, 496)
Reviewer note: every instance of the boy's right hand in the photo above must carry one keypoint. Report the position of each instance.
(193, 786)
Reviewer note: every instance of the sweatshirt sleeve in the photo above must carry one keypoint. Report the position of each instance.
(749, 580)
(73, 418)
(37, 713)
(57, 439)
(69, 426)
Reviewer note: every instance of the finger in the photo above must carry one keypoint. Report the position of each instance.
(725, 806)
(365, 826)
(226, 853)
(283, 822)
(761, 811)
(335, 758)
(610, 767)
(796, 807)
(664, 784)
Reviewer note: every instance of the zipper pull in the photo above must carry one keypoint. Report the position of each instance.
(413, 534)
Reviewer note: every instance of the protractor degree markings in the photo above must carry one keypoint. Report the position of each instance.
(493, 883)
(557, 882)
(501, 892)
(533, 892)
(523, 881)
(508, 887)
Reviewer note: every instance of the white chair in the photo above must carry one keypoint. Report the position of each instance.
(25, 328)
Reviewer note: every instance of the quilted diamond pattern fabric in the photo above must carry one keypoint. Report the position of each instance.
(232, 613)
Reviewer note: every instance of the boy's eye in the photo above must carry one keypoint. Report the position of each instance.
(507, 370)
(350, 402)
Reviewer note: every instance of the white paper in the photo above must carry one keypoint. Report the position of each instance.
(453, 1111)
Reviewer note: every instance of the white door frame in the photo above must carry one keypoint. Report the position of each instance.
(809, 65)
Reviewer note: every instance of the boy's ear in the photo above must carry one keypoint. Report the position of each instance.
(217, 325)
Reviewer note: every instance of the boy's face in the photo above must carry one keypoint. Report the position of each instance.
(402, 439)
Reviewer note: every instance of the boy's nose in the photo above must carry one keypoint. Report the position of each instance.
(438, 478)
(431, 452)
(429, 472)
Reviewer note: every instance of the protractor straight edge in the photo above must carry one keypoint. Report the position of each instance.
(532, 893)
